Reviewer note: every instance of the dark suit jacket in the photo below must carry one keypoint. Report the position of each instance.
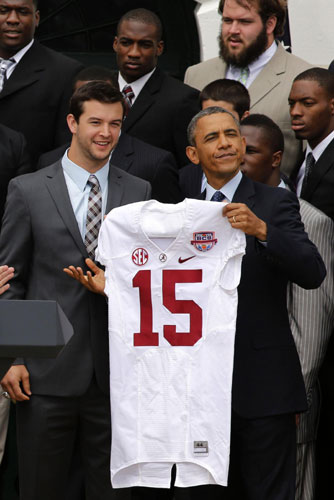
(40, 236)
(14, 160)
(35, 98)
(161, 113)
(267, 378)
(190, 180)
(320, 185)
(140, 159)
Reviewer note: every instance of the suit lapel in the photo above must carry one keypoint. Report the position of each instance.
(319, 170)
(269, 77)
(123, 154)
(245, 192)
(26, 72)
(115, 188)
(56, 184)
(145, 99)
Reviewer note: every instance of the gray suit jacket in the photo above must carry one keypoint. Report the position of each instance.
(40, 236)
(311, 315)
(269, 93)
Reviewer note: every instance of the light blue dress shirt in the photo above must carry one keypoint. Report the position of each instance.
(228, 189)
(76, 181)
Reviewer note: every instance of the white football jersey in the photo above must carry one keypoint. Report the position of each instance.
(172, 273)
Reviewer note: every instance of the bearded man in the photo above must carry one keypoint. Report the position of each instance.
(250, 54)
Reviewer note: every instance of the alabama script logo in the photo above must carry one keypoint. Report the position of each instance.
(204, 241)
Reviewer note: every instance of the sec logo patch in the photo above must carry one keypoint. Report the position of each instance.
(139, 256)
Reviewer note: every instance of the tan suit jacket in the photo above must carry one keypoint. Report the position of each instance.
(269, 93)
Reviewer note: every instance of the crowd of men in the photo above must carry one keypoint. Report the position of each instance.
(254, 128)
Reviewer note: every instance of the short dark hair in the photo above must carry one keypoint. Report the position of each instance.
(322, 76)
(93, 73)
(267, 8)
(35, 2)
(98, 91)
(271, 129)
(212, 110)
(230, 91)
(144, 16)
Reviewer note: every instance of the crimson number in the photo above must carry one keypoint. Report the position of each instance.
(146, 337)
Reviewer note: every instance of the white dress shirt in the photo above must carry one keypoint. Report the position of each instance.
(76, 179)
(17, 58)
(136, 86)
(227, 190)
(233, 73)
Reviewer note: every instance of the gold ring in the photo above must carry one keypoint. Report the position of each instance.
(234, 220)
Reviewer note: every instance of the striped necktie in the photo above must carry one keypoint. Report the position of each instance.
(94, 216)
(128, 95)
(4, 65)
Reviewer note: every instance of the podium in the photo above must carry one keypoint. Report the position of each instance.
(31, 328)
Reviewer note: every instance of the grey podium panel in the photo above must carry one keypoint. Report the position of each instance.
(31, 328)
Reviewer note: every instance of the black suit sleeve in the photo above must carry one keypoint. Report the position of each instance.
(288, 245)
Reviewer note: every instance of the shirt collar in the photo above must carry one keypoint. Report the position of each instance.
(320, 148)
(228, 189)
(263, 59)
(80, 176)
(137, 85)
(18, 56)
(257, 65)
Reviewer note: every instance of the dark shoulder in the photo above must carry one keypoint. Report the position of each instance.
(9, 135)
(142, 147)
(52, 57)
(180, 88)
(129, 179)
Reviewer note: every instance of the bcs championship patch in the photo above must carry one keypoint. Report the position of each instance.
(204, 241)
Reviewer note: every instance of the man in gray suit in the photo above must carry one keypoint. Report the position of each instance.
(52, 218)
(249, 53)
(311, 312)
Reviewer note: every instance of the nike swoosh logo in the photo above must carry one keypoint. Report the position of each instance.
(181, 261)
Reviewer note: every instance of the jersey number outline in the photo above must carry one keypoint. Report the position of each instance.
(146, 336)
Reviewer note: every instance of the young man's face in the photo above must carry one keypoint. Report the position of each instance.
(311, 111)
(137, 49)
(18, 21)
(96, 133)
(260, 161)
(244, 37)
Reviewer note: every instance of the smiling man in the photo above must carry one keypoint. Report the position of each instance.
(159, 106)
(52, 218)
(250, 54)
(267, 387)
(35, 81)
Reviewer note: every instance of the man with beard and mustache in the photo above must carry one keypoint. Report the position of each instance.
(250, 54)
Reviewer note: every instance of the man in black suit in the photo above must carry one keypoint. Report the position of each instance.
(37, 85)
(14, 160)
(46, 224)
(155, 165)
(160, 107)
(312, 117)
(267, 387)
(311, 102)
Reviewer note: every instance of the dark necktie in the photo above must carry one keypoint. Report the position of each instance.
(217, 196)
(309, 164)
(94, 216)
(128, 96)
(4, 65)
